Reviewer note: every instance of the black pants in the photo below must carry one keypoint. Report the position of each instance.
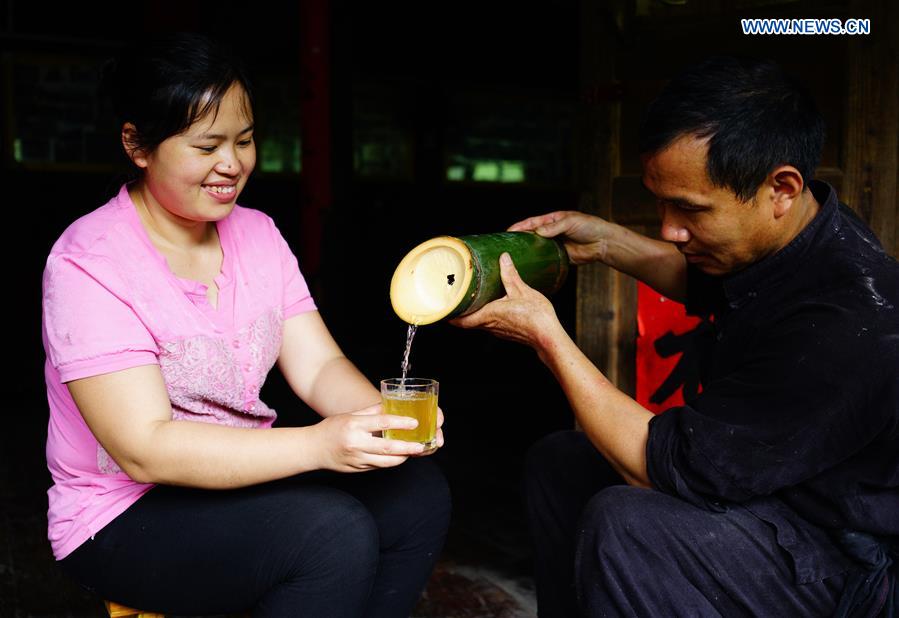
(318, 544)
(607, 549)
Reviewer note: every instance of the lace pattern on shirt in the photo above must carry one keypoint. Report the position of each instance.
(217, 379)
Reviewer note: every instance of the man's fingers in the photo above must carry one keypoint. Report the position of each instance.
(528, 225)
(532, 223)
(511, 279)
(554, 227)
(514, 286)
(537, 224)
(472, 320)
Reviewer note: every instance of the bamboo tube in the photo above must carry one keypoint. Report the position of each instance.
(449, 276)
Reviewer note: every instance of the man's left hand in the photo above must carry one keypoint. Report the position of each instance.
(523, 314)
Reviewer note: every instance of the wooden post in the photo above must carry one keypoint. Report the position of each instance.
(315, 128)
(598, 164)
(871, 166)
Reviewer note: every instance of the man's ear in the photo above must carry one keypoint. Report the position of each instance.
(786, 185)
(130, 144)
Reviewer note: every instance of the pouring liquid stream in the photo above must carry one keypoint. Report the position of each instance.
(410, 335)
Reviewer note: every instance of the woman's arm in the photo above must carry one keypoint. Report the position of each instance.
(318, 371)
(320, 374)
(130, 414)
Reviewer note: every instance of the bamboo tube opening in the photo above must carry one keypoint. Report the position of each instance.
(431, 280)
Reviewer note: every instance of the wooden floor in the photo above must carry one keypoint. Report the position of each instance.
(483, 573)
(458, 590)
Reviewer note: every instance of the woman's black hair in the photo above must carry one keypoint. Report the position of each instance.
(165, 85)
(755, 116)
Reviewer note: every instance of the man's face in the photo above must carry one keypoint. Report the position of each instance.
(715, 231)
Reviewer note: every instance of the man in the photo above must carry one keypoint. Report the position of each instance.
(775, 491)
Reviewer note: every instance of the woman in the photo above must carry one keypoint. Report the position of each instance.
(163, 312)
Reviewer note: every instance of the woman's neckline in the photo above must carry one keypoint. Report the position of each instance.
(190, 286)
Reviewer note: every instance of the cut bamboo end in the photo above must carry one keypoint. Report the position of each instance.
(432, 280)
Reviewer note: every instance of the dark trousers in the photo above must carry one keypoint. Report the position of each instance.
(604, 548)
(318, 544)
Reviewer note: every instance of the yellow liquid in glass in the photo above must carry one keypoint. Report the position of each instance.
(420, 406)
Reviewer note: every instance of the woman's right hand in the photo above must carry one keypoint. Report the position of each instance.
(348, 442)
(585, 236)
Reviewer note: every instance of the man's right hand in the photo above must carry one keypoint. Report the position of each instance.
(585, 236)
(588, 238)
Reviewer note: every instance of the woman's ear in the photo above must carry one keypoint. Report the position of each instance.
(130, 143)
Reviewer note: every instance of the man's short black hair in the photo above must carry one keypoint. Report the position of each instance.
(756, 116)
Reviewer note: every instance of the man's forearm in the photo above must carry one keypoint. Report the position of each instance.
(616, 424)
(656, 263)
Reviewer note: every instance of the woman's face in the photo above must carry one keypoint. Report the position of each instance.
(198, 174)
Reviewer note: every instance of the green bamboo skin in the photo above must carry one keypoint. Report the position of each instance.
(449, 276)
(541, 262)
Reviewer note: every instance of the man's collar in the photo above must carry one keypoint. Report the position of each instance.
(772, 269)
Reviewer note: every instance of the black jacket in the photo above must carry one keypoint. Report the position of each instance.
(798, 418)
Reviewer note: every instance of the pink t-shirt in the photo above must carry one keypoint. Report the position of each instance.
(110, 302)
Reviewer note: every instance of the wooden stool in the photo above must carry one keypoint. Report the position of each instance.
(120, 611)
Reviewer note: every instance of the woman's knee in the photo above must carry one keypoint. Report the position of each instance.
(320, 530)
(426, 503)
(436, 496)
(330, 562)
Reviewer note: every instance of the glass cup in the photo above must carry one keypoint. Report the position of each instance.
(416, 398)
